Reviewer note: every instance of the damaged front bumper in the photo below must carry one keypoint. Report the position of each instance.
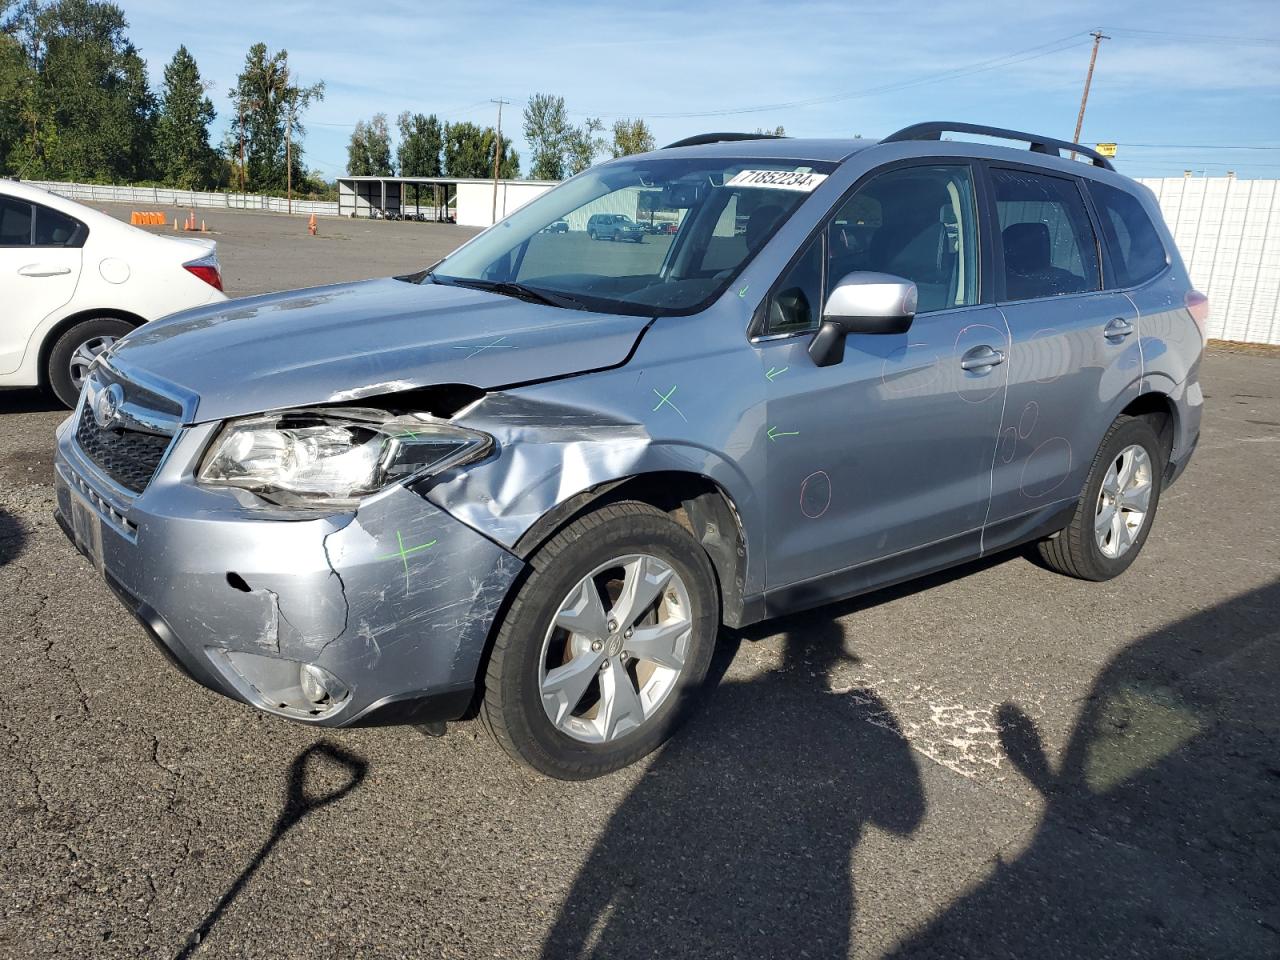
(389, 605)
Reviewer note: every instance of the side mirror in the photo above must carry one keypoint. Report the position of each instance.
(862, 303)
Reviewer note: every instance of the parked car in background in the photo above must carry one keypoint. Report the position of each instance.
(614, 226)
(558, 226)
(73, 281)
(532, 486)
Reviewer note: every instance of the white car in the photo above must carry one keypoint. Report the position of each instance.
(73, 281)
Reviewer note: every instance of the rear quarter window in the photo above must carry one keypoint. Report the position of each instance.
(1137, 253)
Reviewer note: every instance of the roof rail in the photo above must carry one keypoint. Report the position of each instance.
(933, 130)
(701, 138)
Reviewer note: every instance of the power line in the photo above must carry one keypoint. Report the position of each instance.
(1205, 37)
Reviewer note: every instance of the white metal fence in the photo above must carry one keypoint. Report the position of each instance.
(169, 197)
(1228, 231)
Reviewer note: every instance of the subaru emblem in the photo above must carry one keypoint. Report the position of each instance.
(106, 405)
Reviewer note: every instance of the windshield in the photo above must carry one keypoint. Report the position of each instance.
(647, 236)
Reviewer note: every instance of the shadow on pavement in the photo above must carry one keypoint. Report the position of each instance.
(349, 773)
(1161, 836)
(737, 841)
(28, 400)
(13, 538)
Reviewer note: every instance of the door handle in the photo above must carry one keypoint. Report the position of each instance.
(1118, 329)
(981, 358)
(43, 270)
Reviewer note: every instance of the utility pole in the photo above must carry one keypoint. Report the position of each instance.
(241, 105)
(1098, 37)
(497, 156)
(288, 142)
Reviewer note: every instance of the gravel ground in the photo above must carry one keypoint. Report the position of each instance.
(996, 762)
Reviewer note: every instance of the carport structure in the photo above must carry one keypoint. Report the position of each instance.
(369, 196)
(466, 200)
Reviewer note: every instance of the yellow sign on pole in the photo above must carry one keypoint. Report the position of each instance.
(1107, 149)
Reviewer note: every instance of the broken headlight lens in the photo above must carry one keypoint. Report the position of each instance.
(333, 457)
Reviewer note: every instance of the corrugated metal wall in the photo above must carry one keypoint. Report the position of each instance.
(1228, 232)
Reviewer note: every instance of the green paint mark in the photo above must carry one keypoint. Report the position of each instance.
(408, 435)
(773, 372)
(481, 348)
(775, 433)
(404, 552)
(664, 400)
(743, 291)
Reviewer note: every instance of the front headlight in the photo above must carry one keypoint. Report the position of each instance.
(333, 457)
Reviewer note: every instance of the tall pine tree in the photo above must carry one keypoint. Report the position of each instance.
(183, 154)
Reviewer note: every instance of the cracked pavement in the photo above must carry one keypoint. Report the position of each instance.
(996, 762)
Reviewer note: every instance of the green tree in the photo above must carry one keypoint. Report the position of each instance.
(468, 152)
(777, 131)
(86, 112)
(631, 136)
(17, 82)
(369, 150)
(584, 144)
(183, 154)
(547, 128)
(557, 146)
(267, 103)
(421, 145)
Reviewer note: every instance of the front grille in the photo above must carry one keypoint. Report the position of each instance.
(129, 457)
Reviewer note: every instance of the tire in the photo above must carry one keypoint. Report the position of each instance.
(591, 234)
(93, 336)
(526, 641)
(1076, 551)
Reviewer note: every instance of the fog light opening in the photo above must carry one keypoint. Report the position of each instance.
(319, 686)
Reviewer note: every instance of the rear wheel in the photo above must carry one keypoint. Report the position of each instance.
(1117, 508)
(591, 234)
(603, 645)
(75, 350)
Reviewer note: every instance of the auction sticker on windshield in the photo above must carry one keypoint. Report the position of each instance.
(803, 180)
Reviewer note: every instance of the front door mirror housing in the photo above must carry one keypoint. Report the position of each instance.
(862, 302)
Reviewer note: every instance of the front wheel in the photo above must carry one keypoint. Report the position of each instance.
(604, 644)
(1117, 508)
(75, 351)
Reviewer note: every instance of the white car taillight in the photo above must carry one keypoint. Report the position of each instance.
(206, 268)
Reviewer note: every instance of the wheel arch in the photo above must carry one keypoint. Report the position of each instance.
(1162, 413)
(695, 501)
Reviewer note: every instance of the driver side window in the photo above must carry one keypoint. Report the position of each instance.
(919, 223)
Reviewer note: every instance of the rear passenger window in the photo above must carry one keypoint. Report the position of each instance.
(1048, 242)
(1137, 254)
(15, 223)
(54, 229)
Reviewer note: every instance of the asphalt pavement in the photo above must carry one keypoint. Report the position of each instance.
(995, 762)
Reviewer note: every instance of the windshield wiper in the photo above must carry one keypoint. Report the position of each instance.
(512, 288)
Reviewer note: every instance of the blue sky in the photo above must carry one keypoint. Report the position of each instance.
(1178, 83)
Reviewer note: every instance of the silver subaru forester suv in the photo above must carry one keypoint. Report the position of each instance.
(533, 481)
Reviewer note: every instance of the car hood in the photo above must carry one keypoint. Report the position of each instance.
(349, 341)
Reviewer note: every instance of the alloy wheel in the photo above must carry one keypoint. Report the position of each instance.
(616, 648)
(1123, 501)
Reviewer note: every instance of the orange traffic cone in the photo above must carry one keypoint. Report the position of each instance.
(311, 225)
